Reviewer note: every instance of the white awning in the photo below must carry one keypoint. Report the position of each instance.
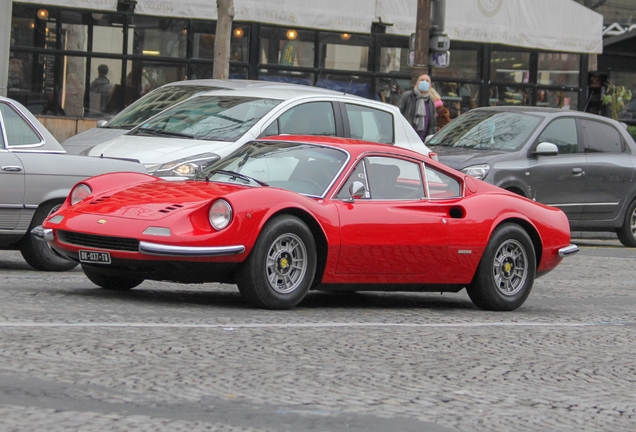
(554, 25)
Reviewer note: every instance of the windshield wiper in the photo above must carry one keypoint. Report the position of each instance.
(164, 133)
(234, 175)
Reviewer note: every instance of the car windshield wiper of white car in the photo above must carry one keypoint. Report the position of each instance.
(148, 131)
(235, 175)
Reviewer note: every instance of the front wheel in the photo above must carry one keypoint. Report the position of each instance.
(281, 267)
(110, 282)
(627, 233)
(506, 271)
(37, 253)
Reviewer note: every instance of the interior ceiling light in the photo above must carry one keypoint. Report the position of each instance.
(238, 32)
(345, 36)
(43, 14)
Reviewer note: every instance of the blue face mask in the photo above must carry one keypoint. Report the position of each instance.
(424, 86)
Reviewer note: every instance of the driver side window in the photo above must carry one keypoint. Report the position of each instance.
(562, 133)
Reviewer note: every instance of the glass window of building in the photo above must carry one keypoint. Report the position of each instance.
(389, 89)
(458, 97)
(294, 77)
(23, 28)
(394, 59)
(344, 51)
(563, 99)
(559, 69)
(464, 64)
(509, 66)
(163, 37)
(352, 84)
(73, 86)
(287, 46)
(503, 95)
(203, 36)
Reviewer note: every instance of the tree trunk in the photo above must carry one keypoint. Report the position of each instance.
(225, 12)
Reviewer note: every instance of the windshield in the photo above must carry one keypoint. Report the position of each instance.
(487, 130)
(303, 168)
(215, 118)
(153, 103)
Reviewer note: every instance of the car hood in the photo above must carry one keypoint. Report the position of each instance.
(154, 151)
(460, 157)
(158, 199)
(89, 138)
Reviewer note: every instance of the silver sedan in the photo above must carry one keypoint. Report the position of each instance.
(35, 177)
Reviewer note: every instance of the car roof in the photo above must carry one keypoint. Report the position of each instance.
(544, 111)
(239, 84)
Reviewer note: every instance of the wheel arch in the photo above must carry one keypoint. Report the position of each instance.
(532, 232)
(319, 236)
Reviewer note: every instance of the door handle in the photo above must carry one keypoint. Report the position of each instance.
(578, 172)
(12, 168)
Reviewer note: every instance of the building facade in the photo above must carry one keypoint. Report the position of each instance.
(92, 58)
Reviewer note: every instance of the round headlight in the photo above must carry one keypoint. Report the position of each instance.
(220, 214)
(79, 193)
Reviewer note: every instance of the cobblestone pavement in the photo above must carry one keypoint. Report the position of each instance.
(168, 357)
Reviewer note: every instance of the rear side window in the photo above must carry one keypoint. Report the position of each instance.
(601, 138)
(315, 118)
(370, 124)
(562, 133)
(18, 130)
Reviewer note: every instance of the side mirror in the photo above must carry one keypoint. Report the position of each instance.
(357, 190)
(546, 149)
(101, 123)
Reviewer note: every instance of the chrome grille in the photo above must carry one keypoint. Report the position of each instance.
(99, 242)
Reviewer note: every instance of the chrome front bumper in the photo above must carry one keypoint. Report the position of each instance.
(568, 250)
(46, 234)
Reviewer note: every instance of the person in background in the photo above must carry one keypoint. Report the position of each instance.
(418, 108)
(101, 88)
(443, 115)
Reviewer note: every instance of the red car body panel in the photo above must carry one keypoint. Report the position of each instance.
(438, 241)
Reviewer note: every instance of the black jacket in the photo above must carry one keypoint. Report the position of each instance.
(407, 104)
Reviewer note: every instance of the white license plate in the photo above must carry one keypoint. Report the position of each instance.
(94, 257)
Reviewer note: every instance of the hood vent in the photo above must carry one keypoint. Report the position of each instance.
(171, 208)
(99, 200)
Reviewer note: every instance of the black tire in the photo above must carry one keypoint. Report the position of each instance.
(38, 254)
(627, 233)
(110, 282)
(506, 271)
(281, 267)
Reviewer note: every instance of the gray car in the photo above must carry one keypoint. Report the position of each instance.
(582, 163)
(36, 176)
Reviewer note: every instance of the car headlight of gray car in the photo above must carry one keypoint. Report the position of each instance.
(186, 167)
(478, 171)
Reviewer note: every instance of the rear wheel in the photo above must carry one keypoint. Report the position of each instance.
(281, 267)
(38, 254)
(111, 282)
(506, 271)
(627, 233)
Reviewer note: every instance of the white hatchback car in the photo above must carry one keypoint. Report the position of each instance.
(210, 126)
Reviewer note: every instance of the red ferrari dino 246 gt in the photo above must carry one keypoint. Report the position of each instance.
(287, 214)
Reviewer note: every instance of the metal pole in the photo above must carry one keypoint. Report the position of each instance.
(422, 32)
(6, 7)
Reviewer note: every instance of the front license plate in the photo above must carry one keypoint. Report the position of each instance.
(94, 257)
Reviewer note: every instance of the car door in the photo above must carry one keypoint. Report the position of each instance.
(609, 173)
(559, 180)
(393, 230)
(12, 174)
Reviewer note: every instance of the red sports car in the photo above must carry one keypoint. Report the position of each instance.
(287, 214)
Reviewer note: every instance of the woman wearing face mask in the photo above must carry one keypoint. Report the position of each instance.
(419, 108)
